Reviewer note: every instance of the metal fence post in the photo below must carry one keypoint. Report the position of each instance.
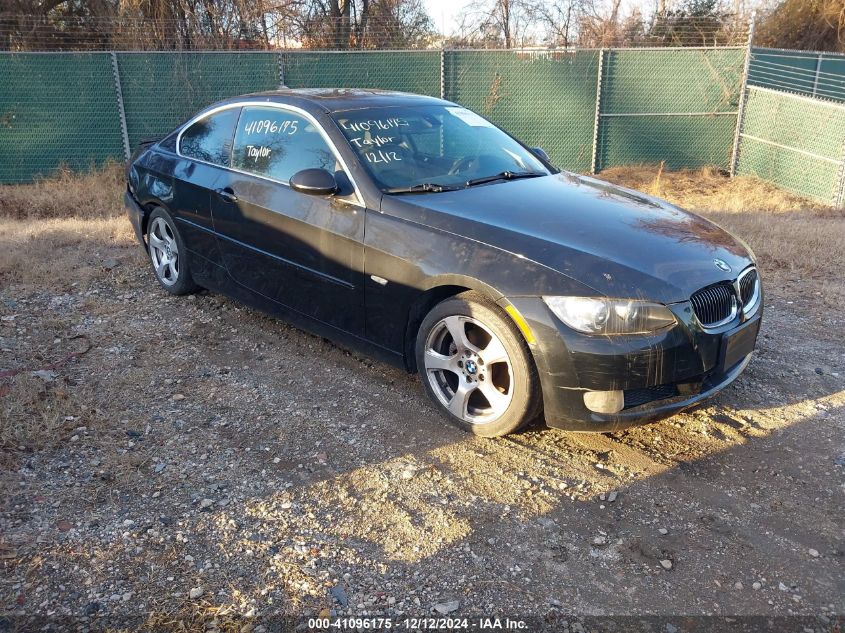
(818, 72)
(597, 122)
(743, 95)
(280, 59)
(118, 89)
(839, 199)
(442, 73)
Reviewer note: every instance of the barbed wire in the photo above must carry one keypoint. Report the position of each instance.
(286, 32)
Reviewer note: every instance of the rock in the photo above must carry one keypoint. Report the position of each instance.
(444, 608)
(91, 608)
(611, 497)
(782, 587)
(819, 371)
(338, 593)
(177, 396)
(600, 540)
(195, 593)
(813, 552)
(738, 586)
(45, 374)
(757, 586)
(666, 563)
(206, 504)
(663, 531)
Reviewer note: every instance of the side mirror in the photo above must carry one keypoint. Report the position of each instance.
(540, 153)
(314, 182)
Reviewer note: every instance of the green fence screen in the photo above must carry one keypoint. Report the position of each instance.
(815, 74)
(56, 109)
(160, 90)
(795, 142)
(407, 71)
(678, 106)
(544, 99)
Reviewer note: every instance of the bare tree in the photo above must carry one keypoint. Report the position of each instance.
(498, 22)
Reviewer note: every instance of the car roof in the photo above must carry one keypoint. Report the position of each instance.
(338, 99)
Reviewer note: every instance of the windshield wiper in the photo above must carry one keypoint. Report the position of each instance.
(505, 175)
(426, 187)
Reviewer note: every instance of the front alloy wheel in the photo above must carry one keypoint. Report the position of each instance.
(468, 369)
(476, 366)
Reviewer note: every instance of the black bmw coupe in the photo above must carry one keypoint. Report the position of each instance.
(417, 231)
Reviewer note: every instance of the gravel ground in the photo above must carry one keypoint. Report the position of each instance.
(203, 461)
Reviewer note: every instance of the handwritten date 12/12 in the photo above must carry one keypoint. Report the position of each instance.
(380, 156)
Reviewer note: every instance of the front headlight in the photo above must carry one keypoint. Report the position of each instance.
(593, 315)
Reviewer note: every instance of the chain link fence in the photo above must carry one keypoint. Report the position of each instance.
(672, 105)
(815, 74)
(56, 108)
(545, 99)
(794, 141)
(678, 107)
(589, 109)
(792, 131)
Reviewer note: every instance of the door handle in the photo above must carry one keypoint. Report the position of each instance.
(227, 194)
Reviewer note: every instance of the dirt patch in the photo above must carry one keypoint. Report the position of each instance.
(207, 462)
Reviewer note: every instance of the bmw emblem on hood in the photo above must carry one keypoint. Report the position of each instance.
(722, 265)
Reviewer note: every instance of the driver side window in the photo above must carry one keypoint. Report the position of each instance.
(278, 143)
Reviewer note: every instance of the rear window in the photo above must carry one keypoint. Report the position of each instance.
(210, 138)
(278, 143)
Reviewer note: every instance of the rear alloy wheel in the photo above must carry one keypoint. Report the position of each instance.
(476, 367)
(166, 250)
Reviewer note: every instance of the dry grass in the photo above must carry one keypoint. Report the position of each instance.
(794, 239)
(36, 415)
(63, 230)
(96, 194)
(58, 253)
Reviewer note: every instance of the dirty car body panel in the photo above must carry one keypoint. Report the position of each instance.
(364, 265)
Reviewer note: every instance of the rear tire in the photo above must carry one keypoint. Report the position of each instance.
(168, 254)
(476, 367)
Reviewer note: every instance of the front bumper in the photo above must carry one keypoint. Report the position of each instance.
(661, 374)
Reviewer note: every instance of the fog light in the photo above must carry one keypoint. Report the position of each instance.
(604, 401)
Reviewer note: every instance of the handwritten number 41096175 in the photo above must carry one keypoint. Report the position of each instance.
(268, 126)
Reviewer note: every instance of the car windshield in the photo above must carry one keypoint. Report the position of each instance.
(433, 148)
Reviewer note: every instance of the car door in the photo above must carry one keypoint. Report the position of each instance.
(303, 251)
(204, 148)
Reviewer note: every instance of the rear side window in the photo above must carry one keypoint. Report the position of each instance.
(210, 138)
(278, 143)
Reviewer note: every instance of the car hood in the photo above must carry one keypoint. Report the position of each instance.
(617, 241)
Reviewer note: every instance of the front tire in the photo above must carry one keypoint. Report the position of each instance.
(168, 254)
(476, 367)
